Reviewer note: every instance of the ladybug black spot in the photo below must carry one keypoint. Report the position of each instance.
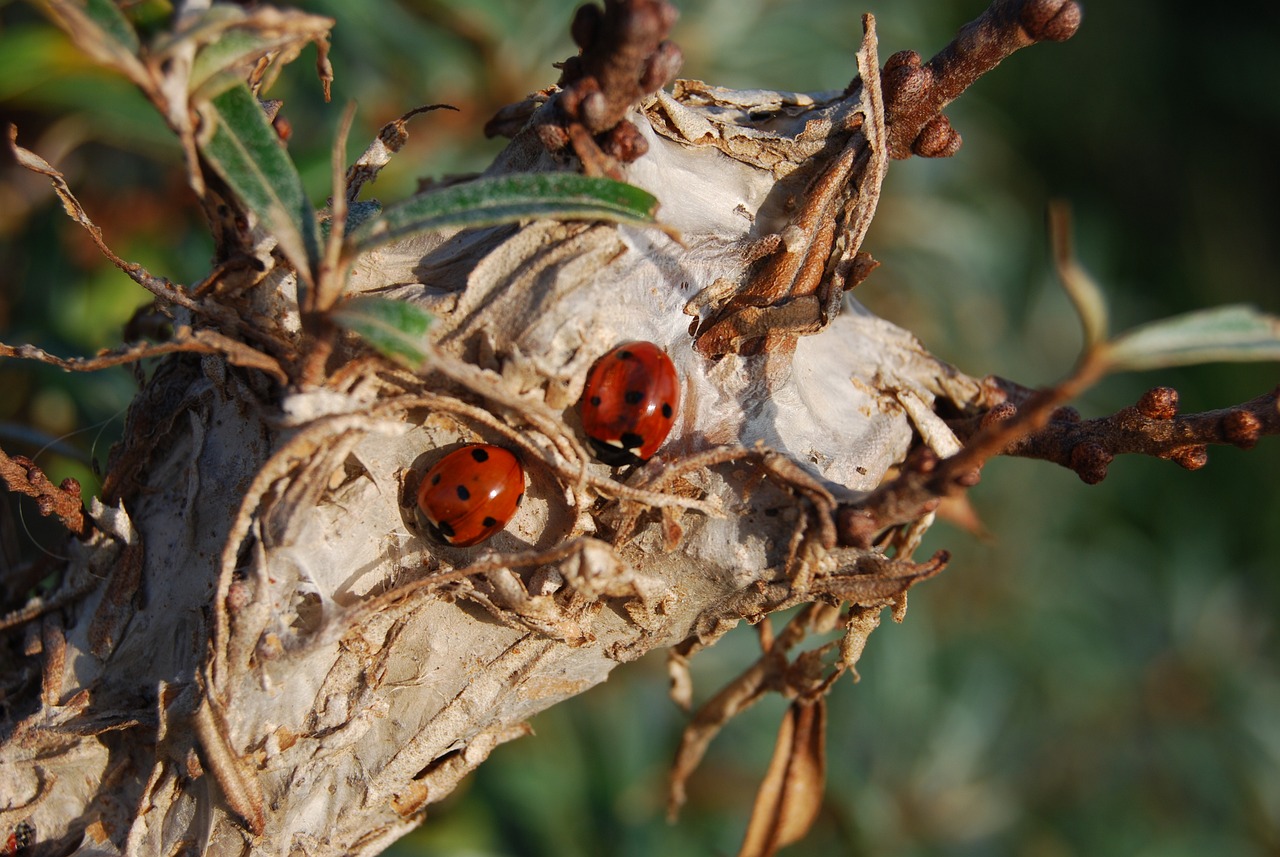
(631, 440)
(626, 355)
(435, 480)
(463, 493)
(480, 455)
(595, 401)
(666, 410)
(634, 397)
(489, 522)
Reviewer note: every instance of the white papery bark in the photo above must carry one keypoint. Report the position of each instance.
(264, 654)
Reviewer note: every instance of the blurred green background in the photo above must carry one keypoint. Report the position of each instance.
(1100, 676)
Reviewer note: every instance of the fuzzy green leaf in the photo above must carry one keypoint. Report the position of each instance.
(397, 329)
(503, 199)
(1230, 333)
(241, 145)
(113, 23)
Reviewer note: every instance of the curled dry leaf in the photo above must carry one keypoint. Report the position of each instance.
(790, 795)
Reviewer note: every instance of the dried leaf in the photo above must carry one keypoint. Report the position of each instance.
(790, 796)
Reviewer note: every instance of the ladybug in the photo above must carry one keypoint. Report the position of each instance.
(629, 404)
(22, 838)
(471, 493)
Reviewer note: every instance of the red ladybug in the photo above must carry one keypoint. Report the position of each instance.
(630, 402)
(22, 838)
(471, 493)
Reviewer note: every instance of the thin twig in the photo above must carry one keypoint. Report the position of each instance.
(916, 93)
(184, 340)
(21, 476)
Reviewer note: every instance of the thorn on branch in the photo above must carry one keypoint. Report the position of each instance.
(916, 92)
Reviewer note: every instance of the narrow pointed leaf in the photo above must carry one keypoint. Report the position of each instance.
(1231, 333)
(242, 146)
(503, 199)
(398, 330)
(113, 24)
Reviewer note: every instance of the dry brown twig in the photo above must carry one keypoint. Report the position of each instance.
(1152, 427)
(21, 476)
(624, 57)
(915, 93)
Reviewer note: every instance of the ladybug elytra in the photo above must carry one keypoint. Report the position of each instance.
(629, 404)
(471, 493)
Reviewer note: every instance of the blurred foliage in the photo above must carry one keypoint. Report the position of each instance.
(1101, 676)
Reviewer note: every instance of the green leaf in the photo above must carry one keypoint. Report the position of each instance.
(357, 213)
(397, 329)
(503, 199)
(241, 145)
(113, 24)
(1231, 333)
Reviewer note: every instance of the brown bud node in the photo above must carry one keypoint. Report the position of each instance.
(625, 142)
(1065, 414)
(923, 460)
(1051, 20)
(903, 77)
(998, 414)
(1090, 461)
(1191, 457)
(1159, 403)
(969, 478)
(593, 110)
(661, 68)
(586, 25)
(902, 60)
(937, 139)
(1242, 429)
